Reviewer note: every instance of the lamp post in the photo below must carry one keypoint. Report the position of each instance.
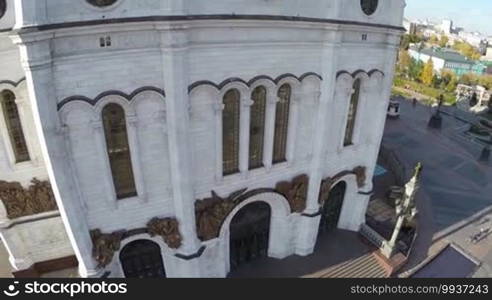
(405, 210)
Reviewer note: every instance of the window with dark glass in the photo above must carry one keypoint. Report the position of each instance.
(369, 7)
(282, 124)
(352, 114)
(14, 126)
(257, 127)
(118, 149)
(230, 132)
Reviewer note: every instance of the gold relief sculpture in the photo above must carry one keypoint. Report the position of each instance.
(168, 229)
(20, 202)
(105, 245)
(211, 212)
(295, 191)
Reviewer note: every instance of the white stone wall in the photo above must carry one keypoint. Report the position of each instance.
(69, 68)
(34, 239)
(35, 12)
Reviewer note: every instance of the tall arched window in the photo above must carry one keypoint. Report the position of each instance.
(257, 127)
(14, 126)
(230, 132)
(118, 149)
(282, 124)
(352, 114)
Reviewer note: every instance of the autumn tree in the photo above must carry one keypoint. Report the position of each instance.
(427, 75)
(404, 62)
(467, 50)
(443, 42)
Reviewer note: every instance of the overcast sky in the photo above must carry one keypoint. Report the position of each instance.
(473, 15)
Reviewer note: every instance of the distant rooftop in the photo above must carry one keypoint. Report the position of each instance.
(445, 54)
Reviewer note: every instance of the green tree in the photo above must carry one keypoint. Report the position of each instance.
(415, 70)
(434, 40)
(404, 62)
(449, 81)
(427, 73)
(467, 50)
(443, 42)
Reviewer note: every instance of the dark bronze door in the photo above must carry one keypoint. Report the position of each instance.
(142, 259)
(332, 208)
(249, 234)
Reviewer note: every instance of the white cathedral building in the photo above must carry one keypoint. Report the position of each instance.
(183, 138)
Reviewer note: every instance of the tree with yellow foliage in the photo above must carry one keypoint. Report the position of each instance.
(427, 73)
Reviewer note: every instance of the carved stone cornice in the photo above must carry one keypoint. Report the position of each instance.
(19, 201)
(105, 245)
(168, 229)
(327, 183)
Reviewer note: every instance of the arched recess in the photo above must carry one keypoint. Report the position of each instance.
(206, 134)
(331, 208)
(350, 216)
(152, 140)
(279, 244)
(142, 258)
(82, 120)
(308, 108)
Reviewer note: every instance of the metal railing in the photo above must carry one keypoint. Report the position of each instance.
(372, 236)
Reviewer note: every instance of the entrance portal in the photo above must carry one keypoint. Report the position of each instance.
(249, 233)
(332, 208)
(142, 259)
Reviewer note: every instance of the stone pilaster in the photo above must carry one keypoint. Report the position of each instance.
(35, 53)
(174, 44)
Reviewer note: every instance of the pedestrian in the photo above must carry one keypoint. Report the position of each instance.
(414, 102)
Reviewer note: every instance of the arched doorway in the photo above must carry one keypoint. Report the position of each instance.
(142, 259)
(249, 234)
(332, 208)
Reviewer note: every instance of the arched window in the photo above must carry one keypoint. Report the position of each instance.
(352, 114)
(14, 126)
(282, 124)
(116, 135)
(230, 132)
(257, 127)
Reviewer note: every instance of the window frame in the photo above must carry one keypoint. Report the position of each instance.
(286, 125)
(237, 136)
(15, 163)
(134, 193)
(261, 147)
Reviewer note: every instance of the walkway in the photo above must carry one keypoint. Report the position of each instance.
(344, 250)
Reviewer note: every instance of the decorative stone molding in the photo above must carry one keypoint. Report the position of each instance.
(168, 229)
(295, 191)
(101, 3)
(19, 201)
(211, 212)
(105, 245)
(327, 183)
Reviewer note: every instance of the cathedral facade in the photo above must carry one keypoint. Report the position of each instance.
(184, 138)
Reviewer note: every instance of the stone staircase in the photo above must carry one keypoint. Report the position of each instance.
(366, 266)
